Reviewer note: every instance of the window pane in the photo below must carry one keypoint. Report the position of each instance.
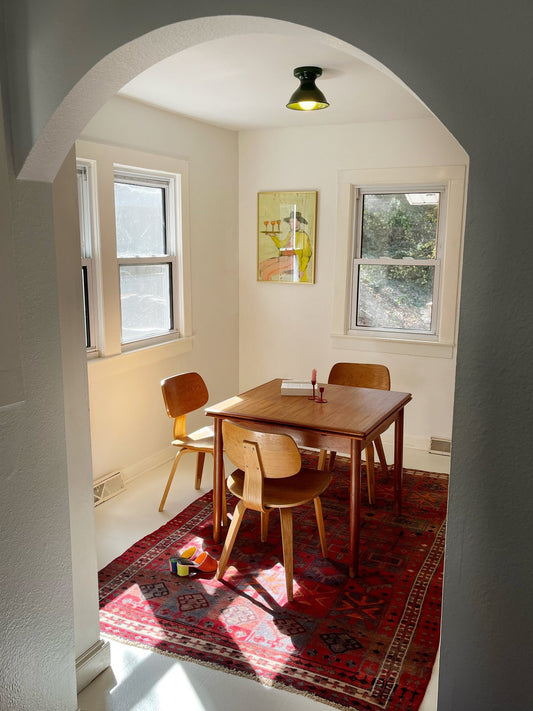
(145, 299)
(400, 225)
(87, 318)
(140, 220)
(84, 209)
(395, 296)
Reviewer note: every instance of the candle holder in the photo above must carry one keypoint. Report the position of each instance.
(313, 383)
(321, 398)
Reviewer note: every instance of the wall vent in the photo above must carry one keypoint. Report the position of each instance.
(440, 445)
(107, 486)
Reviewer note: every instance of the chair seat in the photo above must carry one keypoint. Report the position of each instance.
(202, 439)
(288, 492)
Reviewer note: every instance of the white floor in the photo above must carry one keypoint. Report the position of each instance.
(139, 680)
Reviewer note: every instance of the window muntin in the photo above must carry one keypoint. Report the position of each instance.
(396, 265)
(146, 255)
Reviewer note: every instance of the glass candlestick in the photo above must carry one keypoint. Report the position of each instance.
(321, 398)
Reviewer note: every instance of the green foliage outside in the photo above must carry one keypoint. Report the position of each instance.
(397, 296)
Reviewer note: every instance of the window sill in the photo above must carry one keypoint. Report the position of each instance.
(140, 357)
(432, 349)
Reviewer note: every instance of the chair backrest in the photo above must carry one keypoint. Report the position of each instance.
(360, 375)
(182, 394)
(279, 456)
(260, 455)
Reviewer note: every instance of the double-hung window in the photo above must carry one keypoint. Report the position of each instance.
(146, 243)
(397, 261)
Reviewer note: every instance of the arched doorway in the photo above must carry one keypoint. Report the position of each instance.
(115, 74)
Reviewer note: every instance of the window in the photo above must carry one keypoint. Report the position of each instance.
(146, 253)
(396, 265)
(87, 237)
(398, 259)
(138, 257)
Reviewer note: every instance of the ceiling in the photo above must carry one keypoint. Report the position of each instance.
(244, 82)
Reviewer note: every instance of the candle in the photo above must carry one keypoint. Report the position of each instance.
(313, 375)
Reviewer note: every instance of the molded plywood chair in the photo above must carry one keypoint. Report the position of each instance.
(183, 394)
(270, 476)
(361, 375)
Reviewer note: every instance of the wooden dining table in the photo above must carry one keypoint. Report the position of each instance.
(347, 422)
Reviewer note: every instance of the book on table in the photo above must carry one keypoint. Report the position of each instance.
(296, 387)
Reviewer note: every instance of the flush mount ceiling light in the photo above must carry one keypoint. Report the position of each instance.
(307, 96)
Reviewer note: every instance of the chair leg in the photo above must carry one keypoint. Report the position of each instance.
(200, 457)
(230, 539)
(381, 454)
(325, 463)
(170, 477)
(286, 537)
(370, 473)
(264, 525)
(224, 520)
(321, 527)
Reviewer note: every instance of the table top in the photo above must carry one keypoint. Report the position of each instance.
(349, 411)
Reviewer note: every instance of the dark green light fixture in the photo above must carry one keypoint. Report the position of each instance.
(307, 96)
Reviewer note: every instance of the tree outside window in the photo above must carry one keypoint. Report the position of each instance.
(397, 260)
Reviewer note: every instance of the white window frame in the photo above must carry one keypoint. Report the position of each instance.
(357, 260)
(442, 342)
(89, 248)
(171, 184)
(105, 159)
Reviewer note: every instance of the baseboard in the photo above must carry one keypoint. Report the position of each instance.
(91, 663)
(164, 456)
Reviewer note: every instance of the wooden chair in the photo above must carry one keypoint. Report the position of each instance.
(183, 394)
(361, 375)
(270, 476)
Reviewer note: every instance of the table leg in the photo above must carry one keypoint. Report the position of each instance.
(355, 506)
(218, 468)
(398, 462)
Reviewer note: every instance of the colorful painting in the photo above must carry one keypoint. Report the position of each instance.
(286, 237)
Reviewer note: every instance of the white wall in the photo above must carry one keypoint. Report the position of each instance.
(286, 330)
(36, 597)
(129, 426)
(68, 255)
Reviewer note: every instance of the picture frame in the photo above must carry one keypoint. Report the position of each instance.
(286, 236)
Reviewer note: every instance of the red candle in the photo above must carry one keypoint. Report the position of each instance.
(313, 375)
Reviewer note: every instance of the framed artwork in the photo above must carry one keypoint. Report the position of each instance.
(286, 236)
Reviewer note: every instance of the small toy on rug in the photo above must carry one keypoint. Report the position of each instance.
(187, 562)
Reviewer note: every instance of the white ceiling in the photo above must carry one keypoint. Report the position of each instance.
(244, 81)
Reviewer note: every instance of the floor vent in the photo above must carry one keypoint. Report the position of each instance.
(439, 445)
(107, 486)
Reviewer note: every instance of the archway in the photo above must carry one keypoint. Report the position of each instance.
(112, 72)
(118, 68)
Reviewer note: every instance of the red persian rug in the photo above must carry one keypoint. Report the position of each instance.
(367, 643)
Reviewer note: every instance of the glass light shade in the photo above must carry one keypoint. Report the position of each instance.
(307, 96)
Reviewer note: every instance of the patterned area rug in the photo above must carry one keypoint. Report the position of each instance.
(367, 643)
